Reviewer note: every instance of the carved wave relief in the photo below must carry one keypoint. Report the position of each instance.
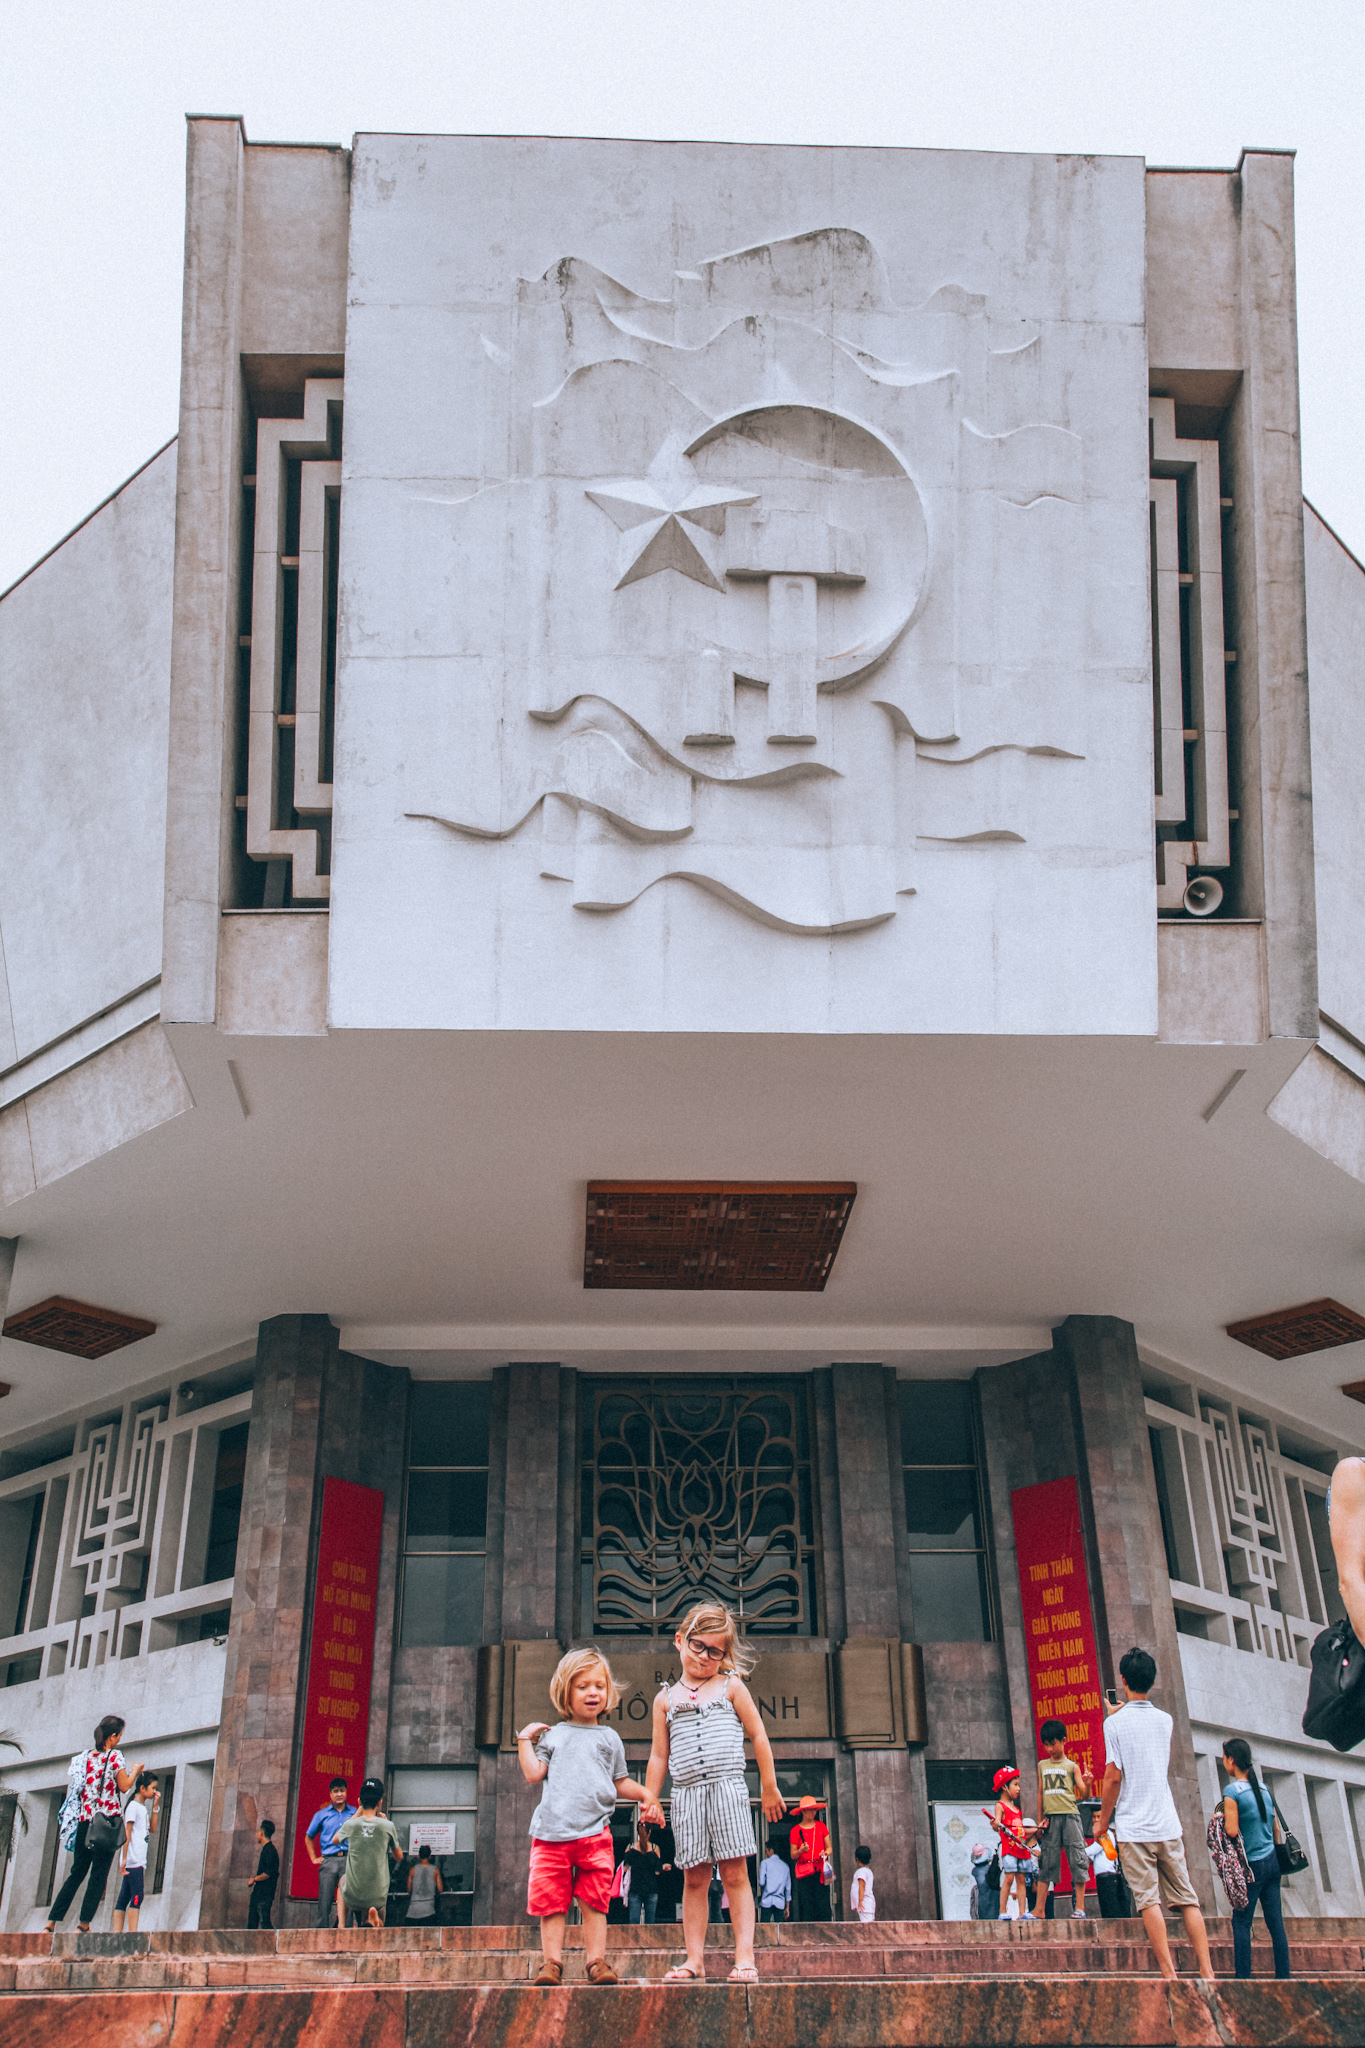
(746, 549)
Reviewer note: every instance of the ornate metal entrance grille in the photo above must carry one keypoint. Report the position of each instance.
(695, 1490)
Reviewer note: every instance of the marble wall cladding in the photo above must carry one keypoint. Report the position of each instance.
(530, 1541)
(968, 1701)
(525, 1598)
(1077, 1411)
(316, 1413)
(431, 1708)
(893, 1824)
(364, 1439)
(1134, 1605)
(266, 1641)
(829, 1527)
(871, 1523)
(888, 1810)
(1028, 1429)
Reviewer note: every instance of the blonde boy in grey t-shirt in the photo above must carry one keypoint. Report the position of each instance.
(582, 1766)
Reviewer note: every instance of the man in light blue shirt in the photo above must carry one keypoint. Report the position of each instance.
(774, 1887)
(325, 1851)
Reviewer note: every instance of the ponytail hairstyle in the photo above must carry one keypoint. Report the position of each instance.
(112, 1724)
(1239, 1753)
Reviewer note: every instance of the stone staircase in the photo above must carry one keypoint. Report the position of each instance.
(962, 1984)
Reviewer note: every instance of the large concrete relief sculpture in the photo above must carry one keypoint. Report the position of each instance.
(774, 592)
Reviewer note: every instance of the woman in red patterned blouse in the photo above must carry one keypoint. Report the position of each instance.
(105, 1775)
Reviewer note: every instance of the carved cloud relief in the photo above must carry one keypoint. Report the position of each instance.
(779, 597)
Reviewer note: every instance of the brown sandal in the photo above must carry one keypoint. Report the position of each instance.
(551, 1972)
(602, 1973)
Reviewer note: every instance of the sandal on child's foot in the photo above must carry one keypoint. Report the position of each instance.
(744, 1973)
(550, 1973)
(602, 1973)
(682, 1973)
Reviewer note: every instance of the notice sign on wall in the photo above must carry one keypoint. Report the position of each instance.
(1059, 1631)
(336, 1713)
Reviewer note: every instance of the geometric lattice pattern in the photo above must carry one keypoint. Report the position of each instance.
(777, 1237)
(76, 1327)
(1294, 1332)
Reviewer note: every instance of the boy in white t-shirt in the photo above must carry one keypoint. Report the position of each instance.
(1103, 1860)
(861, 1897)
(139, 1821)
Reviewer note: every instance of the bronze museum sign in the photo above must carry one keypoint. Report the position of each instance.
(868, 1693)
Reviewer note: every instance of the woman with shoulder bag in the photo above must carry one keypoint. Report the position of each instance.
(1249, 1814)
(99, 1831)
(810, 1854)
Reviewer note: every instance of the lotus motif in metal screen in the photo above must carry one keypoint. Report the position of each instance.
(700, 1494)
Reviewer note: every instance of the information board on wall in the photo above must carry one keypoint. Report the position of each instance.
(439, 1836)
(958, 1830)
(1059, 1629)
(336, 1712)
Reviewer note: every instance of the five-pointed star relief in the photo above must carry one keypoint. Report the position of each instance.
(668, 520)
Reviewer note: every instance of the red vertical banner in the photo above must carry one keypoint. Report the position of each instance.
(1059, 1629)
(336, 1712)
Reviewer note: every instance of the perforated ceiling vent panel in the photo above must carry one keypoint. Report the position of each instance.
(1294, 1332)
(76, 1327)
(773, 1237)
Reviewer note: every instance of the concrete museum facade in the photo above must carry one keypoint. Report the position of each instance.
(684, 720)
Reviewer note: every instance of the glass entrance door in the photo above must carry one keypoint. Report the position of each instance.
(794, 1781)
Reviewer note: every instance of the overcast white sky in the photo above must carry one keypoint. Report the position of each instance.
(92, 99)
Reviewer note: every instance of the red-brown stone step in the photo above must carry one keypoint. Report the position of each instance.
(1105, 2011)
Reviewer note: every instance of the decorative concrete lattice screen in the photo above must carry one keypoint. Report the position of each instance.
(1188, 664)
(292, 638)
(112, 1548)
(1246, 1530)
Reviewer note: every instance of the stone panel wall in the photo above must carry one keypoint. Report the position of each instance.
(889, 1793)
(316, 1413)
(1076, 1412)
(968, 1702)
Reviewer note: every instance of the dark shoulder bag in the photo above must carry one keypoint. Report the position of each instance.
(104, 1831)
(1288, 1853)
(1335, 1711)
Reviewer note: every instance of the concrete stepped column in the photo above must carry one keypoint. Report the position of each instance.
(890, 1810)
(1076, 1411)
(528, 1596)
(316, 1413)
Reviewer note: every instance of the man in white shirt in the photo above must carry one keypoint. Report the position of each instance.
(1136, 1796)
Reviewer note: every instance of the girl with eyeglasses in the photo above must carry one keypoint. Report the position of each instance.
(700, 1728)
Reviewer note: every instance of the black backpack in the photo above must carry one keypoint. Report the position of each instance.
(1335, 1711)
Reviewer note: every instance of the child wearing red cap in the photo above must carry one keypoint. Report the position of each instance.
(1016, 1857)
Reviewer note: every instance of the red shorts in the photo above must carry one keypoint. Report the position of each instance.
(563, 1871)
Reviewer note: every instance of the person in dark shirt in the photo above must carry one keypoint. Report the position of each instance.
(646, 1868)
(668, 1898)
(267, 1877)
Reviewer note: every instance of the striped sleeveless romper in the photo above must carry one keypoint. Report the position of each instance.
(710, 1798)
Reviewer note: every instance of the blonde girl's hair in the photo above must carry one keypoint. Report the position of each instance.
(573, 1666)
(708, 1618)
